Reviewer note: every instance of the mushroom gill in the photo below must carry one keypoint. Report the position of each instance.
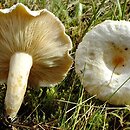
(34, 51)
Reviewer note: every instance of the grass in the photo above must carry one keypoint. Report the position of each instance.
(67, 106)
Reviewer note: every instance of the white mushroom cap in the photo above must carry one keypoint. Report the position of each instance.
(103, 61)
(37, 40)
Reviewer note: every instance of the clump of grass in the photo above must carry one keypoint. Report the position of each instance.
(68, 106)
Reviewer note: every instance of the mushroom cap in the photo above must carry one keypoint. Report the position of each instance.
(103, 61)
(39, 34)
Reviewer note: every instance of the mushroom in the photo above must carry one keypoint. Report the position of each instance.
(34, 51)
(102, 62)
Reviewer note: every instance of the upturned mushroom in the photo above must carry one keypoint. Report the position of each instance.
(103, 62)
(34, 51)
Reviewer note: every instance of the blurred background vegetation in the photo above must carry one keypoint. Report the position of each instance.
(67, 106)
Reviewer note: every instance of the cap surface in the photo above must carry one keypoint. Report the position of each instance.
(39, 34)
(103, 61)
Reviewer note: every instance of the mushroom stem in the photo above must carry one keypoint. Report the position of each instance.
(20, 65)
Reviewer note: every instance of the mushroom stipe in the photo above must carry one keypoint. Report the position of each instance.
(34, 51)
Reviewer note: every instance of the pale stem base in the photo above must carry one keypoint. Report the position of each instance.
(20, 65)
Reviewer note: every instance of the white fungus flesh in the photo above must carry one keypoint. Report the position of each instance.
(103, 62)
(19, 69)
(31, 36)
